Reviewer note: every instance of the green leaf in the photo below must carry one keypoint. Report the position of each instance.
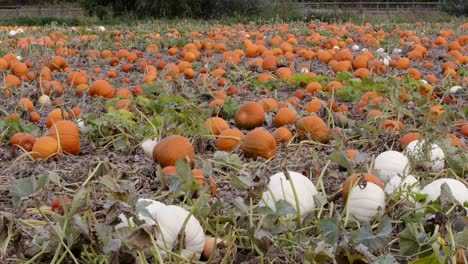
(413, 240)
(372, 240)
(387, 259)
(283, 207)
(329, 230)
(241, 182)
(79, 201)
(432, 259)
(340, 159)
(239, 204)
(23, 188)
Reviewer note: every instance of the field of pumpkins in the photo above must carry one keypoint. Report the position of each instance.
(255, 143)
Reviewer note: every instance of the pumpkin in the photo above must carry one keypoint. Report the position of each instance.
(170, 220)
(408, 183)
(16, 138)
(102, 88)
(45, 147)
(19, 69)
(44, 100)
(408, 138)
(55, 116)
(285, 116)
(313, 128)
(250, 115)
(76, 78)
(259, 143)
(458, 189)
(282, 135)
(363, 199)
(25, 104)
(172, 148)
(229, 139)
(211, 247)
(420, 151)
(391, 164)
(269, 104)
(216, 125)
(68, 134)
(148, 146)
(58, 63)
(280, 187)
(27, 142)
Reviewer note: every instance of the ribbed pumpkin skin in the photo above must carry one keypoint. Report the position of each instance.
(227, 139)
(259, 143)
(351, 180)
(55, 116)
(250, 115)
(285, 116)
(77, 77)
(68, 136)
(102, 88)
(172, 148)
(282, 135)
(44, 147)
(216, 125)
(313, 128)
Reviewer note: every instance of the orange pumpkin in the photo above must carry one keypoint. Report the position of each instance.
(269, 104)
(250, 115)
(172, 148)
(58, 63)
(19, 69)
(313, 128)
(16, 138)
(68, 134)
(45, 147)
(76, 78)
(229, 139)
(27, 142)
(282, 135)
(56, 115)
(408, 138)
(216, 125)
(259, 143)
(25, 104)
(285, 116)
(102, 88)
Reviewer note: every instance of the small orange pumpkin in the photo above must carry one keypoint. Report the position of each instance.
(313, 128)
(102, 88)
(259, 143)
(285, 116)
(216, 125)
(55, 116)
(172, 148)
(45, 147)
(351, 180)
(229, 139)
(282, 135)
(250, 115)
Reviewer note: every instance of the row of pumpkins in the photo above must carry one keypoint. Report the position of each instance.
(363, 193)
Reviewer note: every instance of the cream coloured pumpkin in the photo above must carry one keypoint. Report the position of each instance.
(390, 164)
(422, 151)
(458, 189)
(280, 188)
(170, 221)
(148, 147)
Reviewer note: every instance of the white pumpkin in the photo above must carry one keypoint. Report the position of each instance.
(148, 146)
(409, 183)
(84, 129)
(363, 204)
(391, 164)
(280, 189)
(418, 151)
(458, 189)
(44, 100)
(170, 220)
